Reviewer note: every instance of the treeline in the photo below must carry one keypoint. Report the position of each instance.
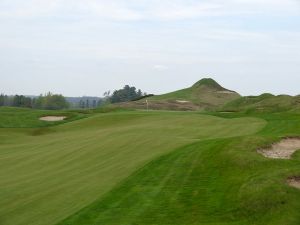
(47, 101)
(89, 103)
(125, 94)
(16, 101)
(55, 101)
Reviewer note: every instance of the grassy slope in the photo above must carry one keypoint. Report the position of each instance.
(206, 92)
(210, 182)
(47, 174)
(264, 103)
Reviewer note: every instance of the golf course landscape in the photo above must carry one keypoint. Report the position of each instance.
(149, 112)
(129, 166)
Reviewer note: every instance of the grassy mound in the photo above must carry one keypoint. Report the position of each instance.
(206, 94)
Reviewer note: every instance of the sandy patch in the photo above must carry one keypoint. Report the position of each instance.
(283, 149)
(181, 101)
(53, 118)
(294, 182)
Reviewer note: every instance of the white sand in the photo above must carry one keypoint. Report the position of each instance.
(53, 118)
(181, 101)
(283, 149)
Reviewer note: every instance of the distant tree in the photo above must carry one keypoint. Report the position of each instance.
(21, 101)
(100, 102)
(87, 104)
(2, 99)
(8, 100)
(94, 103)
(38, 103)
(81, 104)
(16, 101)
(27, 102)
(139, 93)
(33, 102)
(51, 101)
(126, 94)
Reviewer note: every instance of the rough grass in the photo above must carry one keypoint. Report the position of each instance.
(48, 174)
(264, 103)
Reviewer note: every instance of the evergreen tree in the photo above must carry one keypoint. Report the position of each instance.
(139, 93)
(126, 94)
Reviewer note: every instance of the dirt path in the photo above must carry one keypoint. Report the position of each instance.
(283, 149)
(53, 118)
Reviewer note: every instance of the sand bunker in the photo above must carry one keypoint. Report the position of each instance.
(181, 101)
(294, 182)
(53, 118)
(283, 149)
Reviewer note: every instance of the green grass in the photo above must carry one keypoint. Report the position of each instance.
(264, 103)
(24, 117)
(117, 167)
(198, 184)
(49, 173)
(206, 93)
(220, 181)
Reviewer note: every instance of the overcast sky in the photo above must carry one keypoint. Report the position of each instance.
(85, 47)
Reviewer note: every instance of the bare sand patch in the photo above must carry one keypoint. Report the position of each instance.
(182, 101)
(283, 149)
(53, 118)
(294, 182)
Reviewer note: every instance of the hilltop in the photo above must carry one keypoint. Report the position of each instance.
(206, 94)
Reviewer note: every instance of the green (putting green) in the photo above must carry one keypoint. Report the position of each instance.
(49, 173)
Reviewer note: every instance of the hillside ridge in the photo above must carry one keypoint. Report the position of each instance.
(205, 94)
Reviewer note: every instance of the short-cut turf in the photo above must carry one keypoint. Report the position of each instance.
(48, 174)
